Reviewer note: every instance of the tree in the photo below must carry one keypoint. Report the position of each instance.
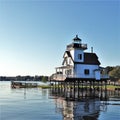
(109, 68)
(44, 79)
(18, 78)
(115, 73)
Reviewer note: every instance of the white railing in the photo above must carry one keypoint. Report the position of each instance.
(84, 45)
(104, 76)
(61, 77)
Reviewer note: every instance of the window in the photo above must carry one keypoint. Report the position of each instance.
(86, 71)
(80, 56)
(68, 72)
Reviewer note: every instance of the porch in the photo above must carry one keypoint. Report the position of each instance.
(67, 72)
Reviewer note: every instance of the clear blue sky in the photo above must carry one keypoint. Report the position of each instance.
(34, 33)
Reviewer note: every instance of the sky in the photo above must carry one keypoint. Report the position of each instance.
(34, 33)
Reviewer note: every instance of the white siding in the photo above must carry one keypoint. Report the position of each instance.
(72, 53)
(80, 68)
(75, 53)
(68, 61)
(97, 75)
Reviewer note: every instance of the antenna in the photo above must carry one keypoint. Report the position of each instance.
(91, 49)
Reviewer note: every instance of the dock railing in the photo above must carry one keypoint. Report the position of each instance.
(62, 77)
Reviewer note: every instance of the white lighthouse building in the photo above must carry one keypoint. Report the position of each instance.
(79, 64)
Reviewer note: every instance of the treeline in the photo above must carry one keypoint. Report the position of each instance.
(25, 78)
(113, 72)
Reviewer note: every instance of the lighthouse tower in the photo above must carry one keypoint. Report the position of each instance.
(76, 49)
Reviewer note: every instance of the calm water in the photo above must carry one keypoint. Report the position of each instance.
(38, 104)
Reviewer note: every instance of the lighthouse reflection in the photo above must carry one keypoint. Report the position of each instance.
(88, 109)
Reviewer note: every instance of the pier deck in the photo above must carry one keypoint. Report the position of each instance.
(22, 84)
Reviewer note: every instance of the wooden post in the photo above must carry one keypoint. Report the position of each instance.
(61, 88)
(74, 89)
(82, 88)
(58, 88)
(94, 88)
(55, 86)
(64, 87)
(66, 90)
(86, 88)
(70, 89)
(78, 88)
(90, 90)
(105, 89)
(101, 90)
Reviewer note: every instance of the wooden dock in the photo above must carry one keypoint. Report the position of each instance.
(22, 84)
(77, 88)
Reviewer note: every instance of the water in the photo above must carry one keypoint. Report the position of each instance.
(38, 104)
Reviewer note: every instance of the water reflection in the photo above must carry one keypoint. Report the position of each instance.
(113, 93)
(85, 108)
(88, 109)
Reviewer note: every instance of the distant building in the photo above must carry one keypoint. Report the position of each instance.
(79, 64)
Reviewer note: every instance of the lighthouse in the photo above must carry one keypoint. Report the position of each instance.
(79, 64)
(80, 76)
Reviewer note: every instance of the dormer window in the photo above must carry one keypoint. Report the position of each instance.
(79, 56)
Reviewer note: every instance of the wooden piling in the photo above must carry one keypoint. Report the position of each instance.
(79, 88)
